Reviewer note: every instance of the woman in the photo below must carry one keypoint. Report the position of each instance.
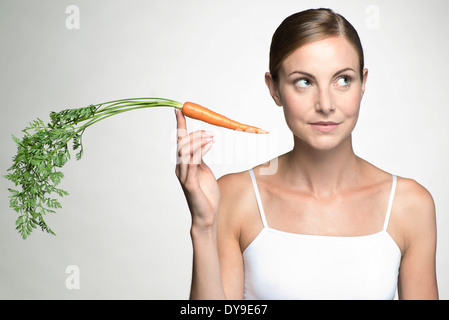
(327, 224)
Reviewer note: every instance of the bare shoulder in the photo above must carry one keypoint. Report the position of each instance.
(236, 198)
(411, 198)
(235, 189)
(414, 211)
(239, 186)
(412, 219)
(414, 200)
(233, 183)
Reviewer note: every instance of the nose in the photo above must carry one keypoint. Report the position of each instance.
(324, 103)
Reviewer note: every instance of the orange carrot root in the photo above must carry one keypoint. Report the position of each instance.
(195, 111)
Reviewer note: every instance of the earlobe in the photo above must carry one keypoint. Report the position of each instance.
(273, 87)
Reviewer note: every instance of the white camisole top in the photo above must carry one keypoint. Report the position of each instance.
(283, 265)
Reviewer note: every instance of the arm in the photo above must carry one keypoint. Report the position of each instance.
(417, 275)
(214, 239)
(228, 227)
(220, 250)
(218, 261)
(206, 276)
(203, 195)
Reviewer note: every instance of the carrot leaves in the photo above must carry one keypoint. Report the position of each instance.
(41, 153)
(45, 149)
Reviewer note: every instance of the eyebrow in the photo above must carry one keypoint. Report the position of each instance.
(313, 77)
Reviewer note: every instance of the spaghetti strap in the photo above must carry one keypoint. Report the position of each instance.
(390, 203)
(259, 201)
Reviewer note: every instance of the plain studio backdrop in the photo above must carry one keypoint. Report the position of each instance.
(123, 231)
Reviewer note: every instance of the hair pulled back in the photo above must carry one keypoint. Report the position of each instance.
(308, 26)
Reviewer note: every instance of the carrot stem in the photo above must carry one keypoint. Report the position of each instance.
(115, 107)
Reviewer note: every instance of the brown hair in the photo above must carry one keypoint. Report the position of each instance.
(305, 27)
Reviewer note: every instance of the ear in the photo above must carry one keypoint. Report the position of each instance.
(274, 90)
(365, 78)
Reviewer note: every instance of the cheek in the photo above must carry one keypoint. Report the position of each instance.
(294, 104)
(296, 108)
(297, 113)
(349, 105)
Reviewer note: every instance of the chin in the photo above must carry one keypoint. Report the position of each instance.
(324, 146)
(324, 143)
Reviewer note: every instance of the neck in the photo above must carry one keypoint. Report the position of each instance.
(322, 172)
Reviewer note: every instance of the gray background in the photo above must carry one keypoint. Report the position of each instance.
(125, 225)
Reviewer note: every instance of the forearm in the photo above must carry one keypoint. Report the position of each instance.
(206, 275)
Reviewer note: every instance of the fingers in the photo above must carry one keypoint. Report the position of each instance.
(180, 124)
(191, 148)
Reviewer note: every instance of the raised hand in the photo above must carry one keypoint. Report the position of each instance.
(197, 180)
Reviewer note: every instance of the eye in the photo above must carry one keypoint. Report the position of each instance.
(303, 83)
(343, 81)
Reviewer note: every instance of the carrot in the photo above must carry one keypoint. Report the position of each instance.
(45, 148)
(195, 111)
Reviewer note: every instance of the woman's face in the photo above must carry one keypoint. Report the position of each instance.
(320, 90)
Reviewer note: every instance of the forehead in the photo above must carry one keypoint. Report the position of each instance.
(322, 57)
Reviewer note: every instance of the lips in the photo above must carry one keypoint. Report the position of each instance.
(325, 126)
